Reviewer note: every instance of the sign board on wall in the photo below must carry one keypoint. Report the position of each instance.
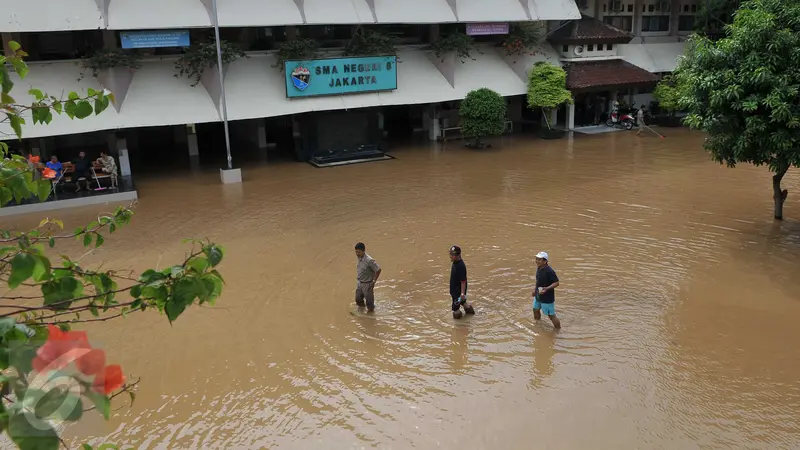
(340, 76)
(483, 29)
(154, 38)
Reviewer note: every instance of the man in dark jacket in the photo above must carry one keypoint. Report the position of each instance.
(458, 283)
(82, 166)
(544, 294)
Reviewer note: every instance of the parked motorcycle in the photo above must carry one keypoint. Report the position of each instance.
(624, 120)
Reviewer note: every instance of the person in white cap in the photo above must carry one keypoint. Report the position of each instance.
(544, 294)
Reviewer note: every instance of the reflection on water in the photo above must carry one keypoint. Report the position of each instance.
(679, 301)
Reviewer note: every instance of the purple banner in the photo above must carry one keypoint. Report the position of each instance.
(482, 29)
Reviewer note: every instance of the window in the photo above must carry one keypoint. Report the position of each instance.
(651, 8)
(565, 48)
(590, 48)
(59, 45)
(609, 46)
(630, 7)
(655, 23)
(685, 23)
(685, 8)
(605, 7)
(327, 35)
(599, 47)
(624, 23)
(694, 8)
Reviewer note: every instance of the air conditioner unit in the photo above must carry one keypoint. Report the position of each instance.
(662, 6)
(578, 50)
(616, 6)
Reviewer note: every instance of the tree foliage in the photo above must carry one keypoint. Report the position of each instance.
(547, 87)
(199, 57)
(483, 114)
(667, 94)
(743, 89)
(49, 373)
(366, 42)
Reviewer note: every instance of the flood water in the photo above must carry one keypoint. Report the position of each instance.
(679, 298)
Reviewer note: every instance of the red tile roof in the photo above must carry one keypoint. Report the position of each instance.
(589, 30)
(606, 73)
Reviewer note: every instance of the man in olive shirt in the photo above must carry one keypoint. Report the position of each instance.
(367, 271)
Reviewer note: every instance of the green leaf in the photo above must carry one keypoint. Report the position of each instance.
(100, 241)
(22, 266)
(102, 403)
(87, 240)
(60, 291)
(199, 264)
(14, 46)
(58, 107)
(36, 93)
(83, 109)
(184, 291)
(58, 404)
(214, 254)
(100, 105)
(30, 437)
(86, 447)
(7, 99)
(52, 242)
(43, 189)
(73, 96)
(16, 123)
(136, 291)
(5, 196)
(41, 271)
(95, 312)
(91, 92)
(20, 67)
(6, 324)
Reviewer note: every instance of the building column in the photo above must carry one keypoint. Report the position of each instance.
(291, 33)
(434, 128)
(123, 157)
(110, 39)
(637, 20)
(433, 33)
(8, 37)
(194, 149)
(571, 116)
(261, 135)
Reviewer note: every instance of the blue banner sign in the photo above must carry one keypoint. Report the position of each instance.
(154, 38)
(340, 76)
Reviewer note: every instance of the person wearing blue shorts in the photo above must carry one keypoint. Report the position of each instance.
(544, 294)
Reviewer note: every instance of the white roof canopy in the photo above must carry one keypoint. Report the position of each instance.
(50, 15)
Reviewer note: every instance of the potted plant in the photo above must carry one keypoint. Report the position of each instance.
(547, 90)
(297, 49)
(482, 114)
(202, 56)
(667, 93)
(370, 43)
(457, 43)
(108, 59)
(523, 38)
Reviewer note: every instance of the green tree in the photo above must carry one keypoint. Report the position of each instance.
(743, 90)
(667, 94)
(483, 114)
(547, 88)
(50, 374)
(713, 16)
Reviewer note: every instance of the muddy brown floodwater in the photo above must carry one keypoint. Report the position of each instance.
(679, 297)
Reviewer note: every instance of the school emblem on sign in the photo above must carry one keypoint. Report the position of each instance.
(301, 77)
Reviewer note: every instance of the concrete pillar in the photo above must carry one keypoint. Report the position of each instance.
(571, 116)
(123, 157)
(433, 33)
(8, 37)
(434, 130)
(291, 33)
(674, 12)
(110, 39)
(194, 149)
(637, 18)
(261, 139)
(554, 117)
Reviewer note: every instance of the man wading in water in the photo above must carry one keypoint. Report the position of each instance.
(367, 271)
(458, 283)
(544, 294)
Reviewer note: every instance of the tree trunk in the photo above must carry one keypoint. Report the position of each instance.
(546, 120)
(778, 195)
